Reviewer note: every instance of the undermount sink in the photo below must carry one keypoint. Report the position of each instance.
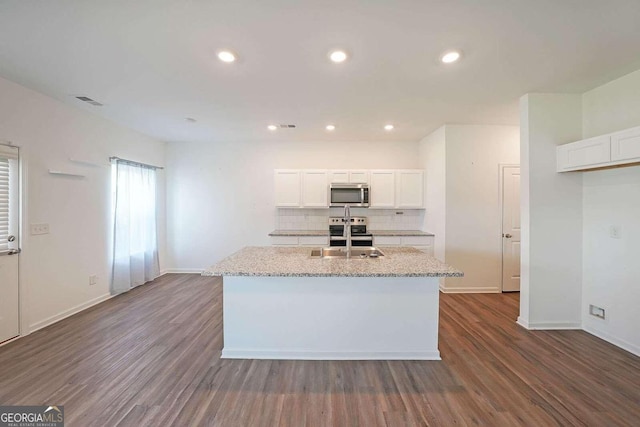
(356, 253)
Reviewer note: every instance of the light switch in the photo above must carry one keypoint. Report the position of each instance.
(41, 228)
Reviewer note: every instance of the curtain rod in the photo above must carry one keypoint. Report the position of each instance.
(134, 163)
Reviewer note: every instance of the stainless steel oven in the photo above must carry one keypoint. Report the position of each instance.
(356, 195)
(359, 235)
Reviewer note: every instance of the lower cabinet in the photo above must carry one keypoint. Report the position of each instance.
(314, 241)
(423, 243)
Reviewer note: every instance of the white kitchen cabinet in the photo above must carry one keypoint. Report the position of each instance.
(359, 177)
(288, 187)
(402, 188)
(314, 189)
(410, 189)
(382, 189)
(311, 241)
(585, 154)
(423, 243)
(348, 176)
(625, 145)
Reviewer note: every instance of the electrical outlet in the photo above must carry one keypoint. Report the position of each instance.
(615, 231)
(93, 279)
(596, 311)
(37, 229)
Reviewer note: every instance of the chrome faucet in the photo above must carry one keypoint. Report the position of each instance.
(347, 228)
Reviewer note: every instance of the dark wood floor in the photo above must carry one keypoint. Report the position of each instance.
(151, 358)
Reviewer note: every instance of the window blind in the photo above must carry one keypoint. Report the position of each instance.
(4, 203)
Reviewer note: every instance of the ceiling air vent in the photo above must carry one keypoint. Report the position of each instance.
(287, 126)
(89, 100)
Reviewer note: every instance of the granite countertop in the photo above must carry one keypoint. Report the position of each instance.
(326, 233)
(296, 262)
(299, 233)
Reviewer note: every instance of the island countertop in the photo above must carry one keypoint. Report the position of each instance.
(296, 262)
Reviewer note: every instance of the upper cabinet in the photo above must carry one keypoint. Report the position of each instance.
(348, 176)
(389, 188)
(397, 189)
(288, 187)
(410, 189)
(625, 146)
(382, 189)
(614, 149)
(314, 189)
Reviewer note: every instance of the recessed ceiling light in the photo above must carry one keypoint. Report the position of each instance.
(272, 127)
(338, 56)
(330, 127)
(450, 56)
(226, 56)
(388, 127)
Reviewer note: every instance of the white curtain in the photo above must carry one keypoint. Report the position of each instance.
(135, 248)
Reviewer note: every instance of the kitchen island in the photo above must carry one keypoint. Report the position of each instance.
(279, 303)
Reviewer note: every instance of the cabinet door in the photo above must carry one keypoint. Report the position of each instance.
(383, 189)
(410, 192)
(314, 189)
(287, 187)
(359, 177)
(387, 240)
(338, 177)
(592, 152)
(625, 145)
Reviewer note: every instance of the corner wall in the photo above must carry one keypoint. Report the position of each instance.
(551, 207)
(55, 267)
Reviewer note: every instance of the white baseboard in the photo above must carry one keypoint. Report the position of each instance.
(470, 290)
(522, 322)
(70, 312)
(333, 355)
(182, 270)
(631, 348)
(549, 326)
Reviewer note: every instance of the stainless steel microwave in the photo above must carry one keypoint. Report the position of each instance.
(349, 194)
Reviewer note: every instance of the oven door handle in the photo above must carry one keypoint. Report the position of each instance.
(362, 238)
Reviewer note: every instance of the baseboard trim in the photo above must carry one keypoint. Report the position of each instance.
(67, 313)
(522, 322)
(182, 270)
(550, 326)
(470, 290)
(631, 348)
(332, 355)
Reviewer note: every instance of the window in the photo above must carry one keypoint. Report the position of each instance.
(135, 250)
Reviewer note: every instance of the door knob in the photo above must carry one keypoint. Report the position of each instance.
(508, 236)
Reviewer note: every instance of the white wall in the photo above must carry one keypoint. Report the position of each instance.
(474, 224)
(56, 267)
(551, 205)
(612, 197)
(221, 195)
(433, 161)
(463, 200)
(612, 107)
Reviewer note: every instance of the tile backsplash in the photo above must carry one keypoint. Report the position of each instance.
(379, 219)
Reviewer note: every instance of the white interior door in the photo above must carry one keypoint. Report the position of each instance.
(9, 243)
(510, 228)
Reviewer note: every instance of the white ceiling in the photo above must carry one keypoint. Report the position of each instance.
(153, 63)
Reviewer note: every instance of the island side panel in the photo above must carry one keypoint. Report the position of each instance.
(331, 318)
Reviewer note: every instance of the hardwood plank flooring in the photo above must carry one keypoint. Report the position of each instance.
(152, 358)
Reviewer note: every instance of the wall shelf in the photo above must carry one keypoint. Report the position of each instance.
(63, 173)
